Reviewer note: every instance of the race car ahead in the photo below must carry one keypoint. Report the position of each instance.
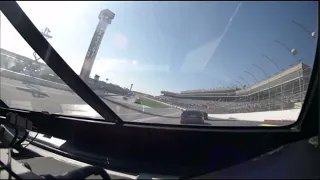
(193, 117)
(137, 101)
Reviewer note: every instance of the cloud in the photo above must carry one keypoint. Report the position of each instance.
(120, 41)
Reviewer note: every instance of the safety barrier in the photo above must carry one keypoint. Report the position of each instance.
(266, 116)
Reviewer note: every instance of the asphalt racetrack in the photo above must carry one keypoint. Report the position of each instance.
(17, 94)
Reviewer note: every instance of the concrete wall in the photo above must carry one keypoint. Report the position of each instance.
(267, 116)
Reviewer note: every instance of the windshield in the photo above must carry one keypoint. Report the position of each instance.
(239, 63)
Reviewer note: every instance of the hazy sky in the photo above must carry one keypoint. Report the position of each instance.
(174, 46)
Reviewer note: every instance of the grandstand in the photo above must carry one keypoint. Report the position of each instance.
(281, 91)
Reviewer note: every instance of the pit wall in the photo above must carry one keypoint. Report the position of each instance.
(266, 116)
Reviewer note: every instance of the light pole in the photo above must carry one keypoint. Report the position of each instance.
(293, 52)
(246, 82)
(232, 85)
(313, 37)
(254, 79)
(241, 85)
(268, 81)
(310, 34)
(261, 70)
(252, 76)
(268, 58)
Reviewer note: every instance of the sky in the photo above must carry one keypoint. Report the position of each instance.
(174, 46)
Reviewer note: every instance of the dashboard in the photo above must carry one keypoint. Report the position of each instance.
(292, 161)
(295, 160)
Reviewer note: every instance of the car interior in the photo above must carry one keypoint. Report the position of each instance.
(117, 149)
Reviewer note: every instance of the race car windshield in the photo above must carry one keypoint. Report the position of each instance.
(236, 63)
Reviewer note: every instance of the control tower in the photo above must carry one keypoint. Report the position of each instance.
(105, 18)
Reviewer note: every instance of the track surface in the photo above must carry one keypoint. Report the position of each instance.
(39, 98)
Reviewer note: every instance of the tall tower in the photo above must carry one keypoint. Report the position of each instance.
(105, 18)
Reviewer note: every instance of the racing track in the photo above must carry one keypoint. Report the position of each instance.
(39, 98)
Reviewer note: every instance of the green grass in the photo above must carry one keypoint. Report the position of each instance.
(151, 103)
